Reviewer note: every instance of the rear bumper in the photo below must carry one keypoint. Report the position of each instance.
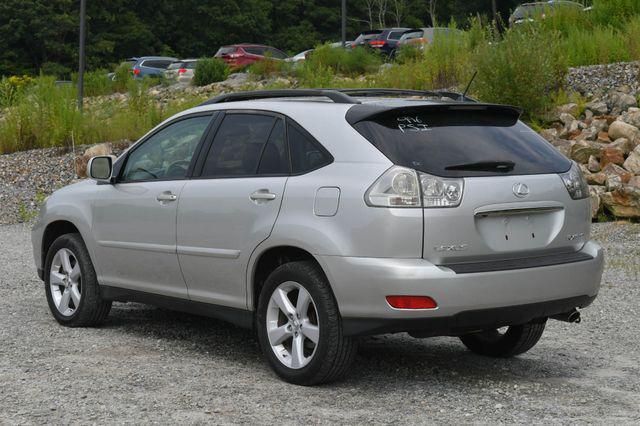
(507, 296)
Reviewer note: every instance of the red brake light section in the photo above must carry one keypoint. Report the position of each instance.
(411, 302)
(182, 70)
(136, 71)
(377, 43)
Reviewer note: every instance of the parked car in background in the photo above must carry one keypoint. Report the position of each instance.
(419, 37)
(300, 56)
(151, 66)
(242, 55)
(181, 71)
(529, 12)
(384, 40)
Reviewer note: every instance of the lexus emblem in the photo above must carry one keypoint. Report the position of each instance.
(520, 190)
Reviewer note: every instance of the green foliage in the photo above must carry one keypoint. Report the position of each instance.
(96, 83)
(525, 69)
(269, 67)
(45, 114)
(210, 70)
(339, 61)
(11, 88)
(122, 77)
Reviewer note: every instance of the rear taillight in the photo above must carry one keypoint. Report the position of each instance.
(182, 70)
(441, 192)
(404, 187)
(397, 187)
(136, 71)
(411, 302)
(376, 43)
(575, 183)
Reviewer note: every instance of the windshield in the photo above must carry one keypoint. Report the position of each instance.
(452, 143)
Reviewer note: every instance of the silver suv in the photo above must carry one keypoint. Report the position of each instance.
(317, 216)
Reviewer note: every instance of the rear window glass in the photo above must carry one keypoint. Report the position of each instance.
(443, 142)
(255, 50)
(175, 66)
(411, 35)
(395, 35)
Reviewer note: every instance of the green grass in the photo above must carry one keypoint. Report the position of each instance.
(45, 115)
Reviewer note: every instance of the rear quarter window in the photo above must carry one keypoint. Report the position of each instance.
(432, 142)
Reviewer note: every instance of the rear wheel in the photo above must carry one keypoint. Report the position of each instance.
(299, 326)
(71, 285)
(507, 341)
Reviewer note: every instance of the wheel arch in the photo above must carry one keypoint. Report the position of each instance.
(52, 231)
(270, 259)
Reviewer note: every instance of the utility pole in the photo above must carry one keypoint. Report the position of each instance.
(344, 23)
(83, 10)
(494, 9)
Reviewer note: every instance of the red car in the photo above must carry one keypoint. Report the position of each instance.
(242, 55)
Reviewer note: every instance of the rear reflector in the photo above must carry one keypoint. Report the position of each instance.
(411, 302)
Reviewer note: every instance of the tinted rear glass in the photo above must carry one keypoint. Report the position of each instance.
(433, 141)
(411, 35)
(255, 50)
(367, 36)
(175, 66)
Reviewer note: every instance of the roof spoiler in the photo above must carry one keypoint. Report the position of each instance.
(505, 115)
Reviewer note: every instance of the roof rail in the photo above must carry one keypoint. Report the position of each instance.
(335, 95)
(407, 92)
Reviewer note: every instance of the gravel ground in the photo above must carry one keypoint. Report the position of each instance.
(150, 365)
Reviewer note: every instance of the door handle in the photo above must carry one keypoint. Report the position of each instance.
(262, 195)
(166, 196)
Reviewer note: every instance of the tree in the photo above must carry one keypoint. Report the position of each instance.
(432, 12)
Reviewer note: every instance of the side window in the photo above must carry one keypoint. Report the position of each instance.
(238, 145)
(167, 154)
(274, 160)
(395, 35)
(306, 155)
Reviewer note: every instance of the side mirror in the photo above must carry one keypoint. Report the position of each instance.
(101, 167)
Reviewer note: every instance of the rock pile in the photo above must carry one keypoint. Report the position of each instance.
(604, 140)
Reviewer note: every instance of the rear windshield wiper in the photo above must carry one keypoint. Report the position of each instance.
(485, 166)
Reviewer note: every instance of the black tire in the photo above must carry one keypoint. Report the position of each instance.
(334, 352)
(517, 340)
(92, 310)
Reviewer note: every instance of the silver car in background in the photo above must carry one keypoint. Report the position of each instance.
(181, 71)
(317, 216)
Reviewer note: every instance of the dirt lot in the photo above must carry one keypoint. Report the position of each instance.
(150, 365)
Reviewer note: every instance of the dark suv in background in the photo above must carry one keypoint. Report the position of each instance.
(383, 40)
(153, 66)
(242, 55)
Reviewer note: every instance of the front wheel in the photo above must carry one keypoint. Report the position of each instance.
(299, 326)
(71, 285)
(506, 342)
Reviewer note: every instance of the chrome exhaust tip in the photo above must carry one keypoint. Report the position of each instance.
(573, 316)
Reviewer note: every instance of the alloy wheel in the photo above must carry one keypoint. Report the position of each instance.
(292, 325)
(65, 282)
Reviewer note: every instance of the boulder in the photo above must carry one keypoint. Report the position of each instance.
(600, 124)
(596, 178)
(620, 101)
(611, 170)
(593, 165)
(620, 129)
(582, 150)
(571, 108)
(603, 137)
(99, 149)
(632, 163)
(632, 117)
(595, 193)
(623, 144)
(623, 202)
(598, 107)
(567, 119)
(611, 155)
(634, 182)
